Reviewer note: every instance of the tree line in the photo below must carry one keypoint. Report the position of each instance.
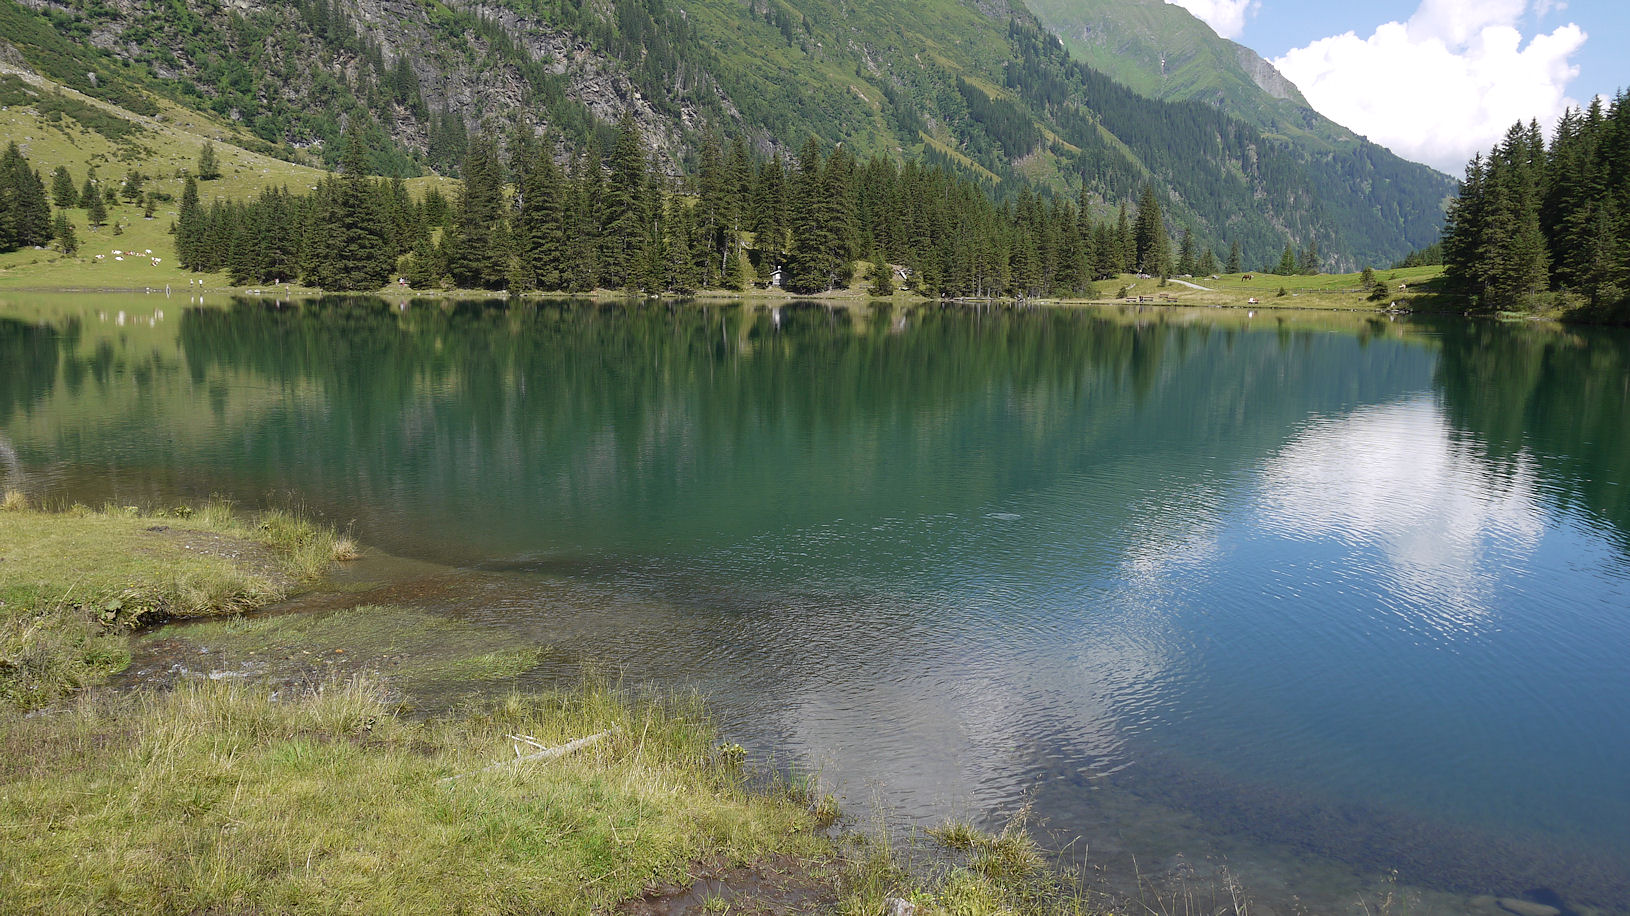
(524, 221)
(1537, 224)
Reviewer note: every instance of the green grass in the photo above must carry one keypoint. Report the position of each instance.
(1319, 291)
(57, 126)
(215, 798)
(74, 583)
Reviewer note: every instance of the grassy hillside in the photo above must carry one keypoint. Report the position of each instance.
(54, 125)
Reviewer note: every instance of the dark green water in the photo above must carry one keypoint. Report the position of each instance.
(1318, 595)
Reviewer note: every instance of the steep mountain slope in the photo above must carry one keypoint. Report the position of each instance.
(1162, 51)
(976, 86)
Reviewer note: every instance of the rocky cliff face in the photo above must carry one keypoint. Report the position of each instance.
(1267, 77)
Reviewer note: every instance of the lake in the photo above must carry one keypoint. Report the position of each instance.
(1329, 600)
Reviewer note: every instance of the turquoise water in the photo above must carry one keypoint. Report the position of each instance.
(1318, 596)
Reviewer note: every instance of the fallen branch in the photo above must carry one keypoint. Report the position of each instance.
(547, 753)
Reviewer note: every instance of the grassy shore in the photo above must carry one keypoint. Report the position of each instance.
(322, 791)
(74, 583)
(217, 798)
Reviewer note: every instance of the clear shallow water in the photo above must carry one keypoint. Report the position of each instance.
(1320, 595)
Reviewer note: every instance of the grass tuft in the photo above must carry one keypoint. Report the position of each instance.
(14, 501)
(345, 549)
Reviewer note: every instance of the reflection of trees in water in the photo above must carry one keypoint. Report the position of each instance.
(28, 364)
(650, 413)
(1559, 397)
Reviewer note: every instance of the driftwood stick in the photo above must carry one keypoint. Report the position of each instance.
(548, 753)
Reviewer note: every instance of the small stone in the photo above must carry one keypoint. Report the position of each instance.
(1527, 907)
(894, 906)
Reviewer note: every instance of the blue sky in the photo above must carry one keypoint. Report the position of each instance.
(1435, 80)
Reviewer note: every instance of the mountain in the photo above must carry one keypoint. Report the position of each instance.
(1162, 51)
(977, 86)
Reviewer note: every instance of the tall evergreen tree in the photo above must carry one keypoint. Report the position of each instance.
(623, 219)
(1149, 234)
(63, 192)
(348, 249)
(473, 260)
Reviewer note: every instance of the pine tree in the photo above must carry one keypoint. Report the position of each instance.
(63, 192)
(1234, 258)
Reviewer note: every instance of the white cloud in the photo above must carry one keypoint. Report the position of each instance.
(1227, 17)
(1444, 85)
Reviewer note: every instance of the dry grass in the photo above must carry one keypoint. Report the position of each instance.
(13, 501)
(345, 549)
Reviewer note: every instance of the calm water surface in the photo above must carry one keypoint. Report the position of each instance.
(1320, 596)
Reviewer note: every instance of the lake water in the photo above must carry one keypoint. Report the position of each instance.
(1317, 596)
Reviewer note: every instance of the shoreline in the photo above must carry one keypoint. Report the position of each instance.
(238, 789)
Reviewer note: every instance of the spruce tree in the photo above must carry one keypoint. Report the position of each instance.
(131, 191)
(475, 262)
(622, 202)
(1234, 258)
(540, 220)
(1185, 253)
(1149, 235)
(348, 248)
(96, 210)
(1287, 261)
(189, 231)
(63, 192)
(882, 276)
(63, 230)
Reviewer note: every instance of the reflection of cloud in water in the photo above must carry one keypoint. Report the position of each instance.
(1393, 476)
